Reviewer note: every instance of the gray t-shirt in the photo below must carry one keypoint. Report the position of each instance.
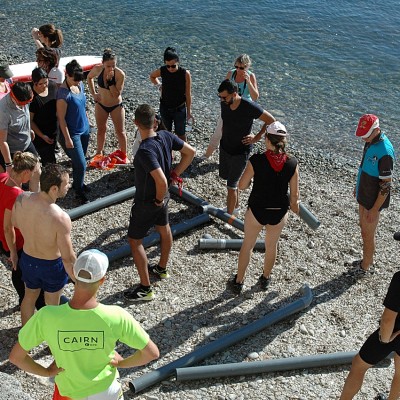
(15, 120)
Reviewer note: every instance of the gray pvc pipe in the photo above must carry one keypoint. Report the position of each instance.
(102, 203)
(308, 217)
(304, 213)
(222, 343)
(234, 244)
(258, 367)
(154, 238)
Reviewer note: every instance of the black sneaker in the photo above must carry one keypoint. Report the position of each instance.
(162, 273)
(380, 396)
(264, 282)
(235, 286)
(139, 294)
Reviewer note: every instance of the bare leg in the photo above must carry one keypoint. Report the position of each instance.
(368, 231)
(101, 122)
(28, 304)
(231, 200)
(395, 388)
(140, 260)
(165, 244)
(251, 230)
(355, 378)
(272, 233)
(53, 299)
(118, 119)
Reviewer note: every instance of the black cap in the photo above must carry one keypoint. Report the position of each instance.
(5, 72)
(396, 236)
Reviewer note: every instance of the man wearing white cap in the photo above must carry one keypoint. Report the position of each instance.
(81, 336)
(373, 185)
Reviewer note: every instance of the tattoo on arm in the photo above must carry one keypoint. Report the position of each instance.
(384, 187)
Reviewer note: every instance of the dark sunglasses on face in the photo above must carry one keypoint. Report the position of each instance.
(237, 67)
(171, 66)
(223, 98)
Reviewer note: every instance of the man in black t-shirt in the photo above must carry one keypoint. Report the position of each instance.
(379, 345)
(152, 177)
(237, 116)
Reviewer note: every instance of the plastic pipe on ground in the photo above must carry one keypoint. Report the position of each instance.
(234, 244)
(102, 203)
(222, 343)
(304, 213)
(154, 238)
(258, 367)
(308, 217)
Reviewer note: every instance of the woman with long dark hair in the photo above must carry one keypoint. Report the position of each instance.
(74, 125)
(273, 173)
(176, 92)
(43, 116)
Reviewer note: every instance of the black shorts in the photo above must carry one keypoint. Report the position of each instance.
(373, 351)
(268, 217)
(144, 216)
(231, 167)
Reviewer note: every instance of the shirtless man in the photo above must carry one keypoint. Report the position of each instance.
(47, 243)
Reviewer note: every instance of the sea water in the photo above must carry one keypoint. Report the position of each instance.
(319, 64)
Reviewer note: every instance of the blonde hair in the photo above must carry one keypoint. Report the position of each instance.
(244, 59)
(24, 161)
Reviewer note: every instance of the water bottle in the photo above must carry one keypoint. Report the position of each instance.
(189, 125)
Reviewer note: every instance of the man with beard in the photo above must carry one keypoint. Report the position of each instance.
(47, 258)
(237, 116)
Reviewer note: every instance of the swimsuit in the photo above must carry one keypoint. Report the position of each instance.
(111, 108)
(101, 83)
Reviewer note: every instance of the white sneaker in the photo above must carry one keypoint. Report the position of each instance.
(236, 211)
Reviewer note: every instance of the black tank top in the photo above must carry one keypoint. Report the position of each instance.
(173, 87)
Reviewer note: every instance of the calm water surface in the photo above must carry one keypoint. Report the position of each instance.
(319, 64)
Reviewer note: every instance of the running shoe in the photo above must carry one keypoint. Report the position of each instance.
(139, 294)
(358, 272)
(380, 396)
(236, 211)
(236, 287)
(162, 273)
(264, 282)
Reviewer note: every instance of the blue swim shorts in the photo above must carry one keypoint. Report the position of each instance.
(48, 275)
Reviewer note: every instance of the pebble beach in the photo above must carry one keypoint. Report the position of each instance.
(194, 307)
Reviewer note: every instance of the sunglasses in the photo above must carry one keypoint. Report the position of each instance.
(171, 66)
(237, 67)
(223, 97)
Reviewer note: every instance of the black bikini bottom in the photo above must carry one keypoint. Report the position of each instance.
(110, 109)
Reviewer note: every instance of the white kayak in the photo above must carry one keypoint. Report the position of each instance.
(22, 72)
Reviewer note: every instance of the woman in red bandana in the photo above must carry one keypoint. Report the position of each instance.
(273, 172)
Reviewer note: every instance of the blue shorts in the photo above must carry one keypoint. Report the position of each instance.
(48, 275)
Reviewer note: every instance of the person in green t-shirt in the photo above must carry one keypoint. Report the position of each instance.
(82, 335)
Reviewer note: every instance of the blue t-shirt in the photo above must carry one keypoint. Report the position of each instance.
(236, 124)
(376, 164)
(75, 117)
(154, 152)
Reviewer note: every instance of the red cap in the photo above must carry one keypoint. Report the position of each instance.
(367, 123)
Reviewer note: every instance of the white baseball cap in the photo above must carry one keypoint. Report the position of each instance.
(277, 128)
(94, 262)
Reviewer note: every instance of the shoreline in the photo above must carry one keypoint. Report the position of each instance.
(192, 308)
